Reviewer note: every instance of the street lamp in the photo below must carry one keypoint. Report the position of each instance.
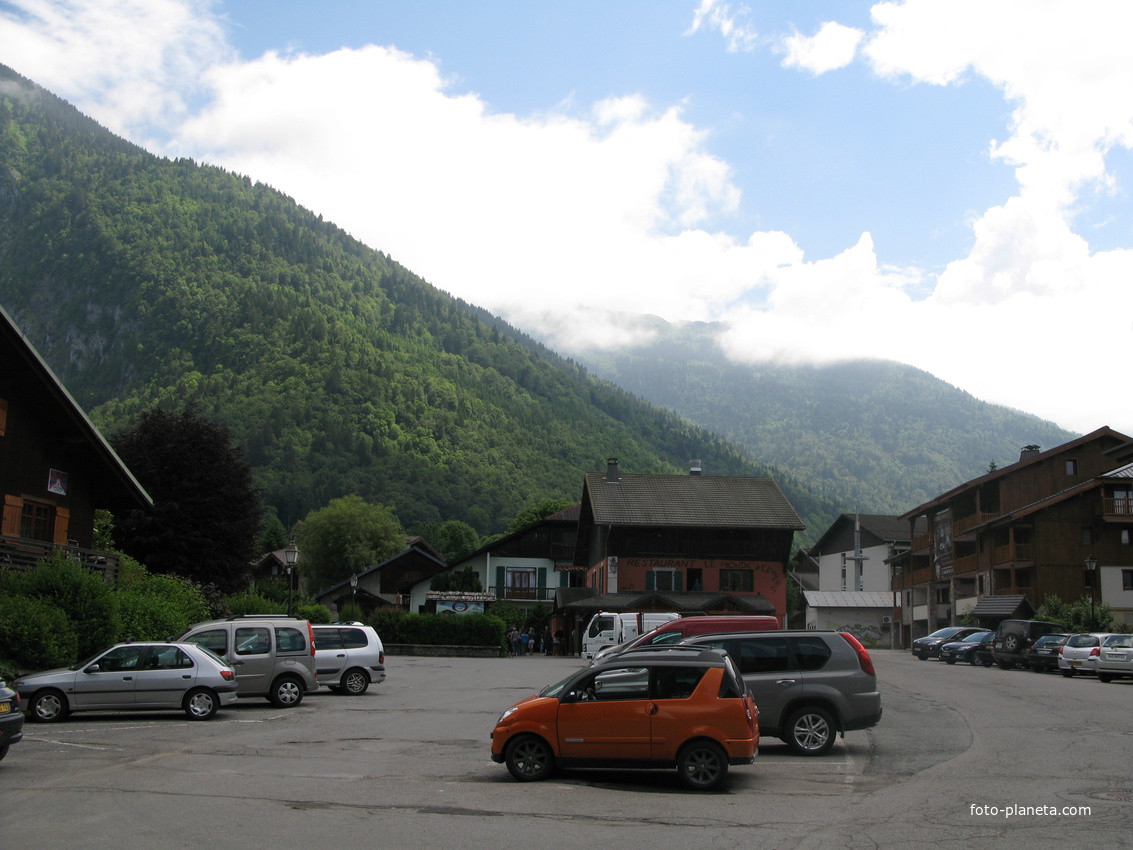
(354, 593)
(1091, 571)
(291, 558)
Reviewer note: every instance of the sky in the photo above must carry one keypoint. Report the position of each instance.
(945, 183)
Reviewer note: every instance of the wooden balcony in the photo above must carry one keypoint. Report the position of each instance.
(964, 524)
(523, 594)
(1117, 510)
(21, 554)
(1013, 553)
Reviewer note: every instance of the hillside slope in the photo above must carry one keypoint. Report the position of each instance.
(145, 281)
(874, 435)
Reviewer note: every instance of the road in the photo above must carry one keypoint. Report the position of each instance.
(406, 766)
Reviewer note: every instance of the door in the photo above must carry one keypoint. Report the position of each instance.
(330, 653)
(607, 716)
(252, 658)
(768, 670)
(109, 681)
(166, 673)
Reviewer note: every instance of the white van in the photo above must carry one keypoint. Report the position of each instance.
(607, 629)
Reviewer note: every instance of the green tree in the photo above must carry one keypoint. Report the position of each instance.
(537, 511)
(455, 540)
(274, 535)
(348, 536)
(205, 520)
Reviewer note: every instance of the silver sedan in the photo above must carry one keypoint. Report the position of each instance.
(148, 676)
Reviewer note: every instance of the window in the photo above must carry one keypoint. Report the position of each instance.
(621, 683)
(1127, 579)
(812, 652)
(676, 682)
(1071, 467)
(37, 521)
(120, 658)
(520, 582)
(215, 640)
(252, 641)
(168, 658)
(664, 580)
(1125, 537)
(757, 655)
(739, 581)
(289, 640)
(1087, 536)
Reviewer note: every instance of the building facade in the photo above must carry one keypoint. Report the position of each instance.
(1014, 536)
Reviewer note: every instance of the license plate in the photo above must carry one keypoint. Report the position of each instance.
(1074, 663)
(5, 707)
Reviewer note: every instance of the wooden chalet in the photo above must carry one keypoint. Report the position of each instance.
(710, 544)
(56, 468)
(998, 545)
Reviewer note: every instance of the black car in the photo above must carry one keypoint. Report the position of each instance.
(1043, 656)
(11, 719)
(929, 646)
(968, 649)
(1014, 639)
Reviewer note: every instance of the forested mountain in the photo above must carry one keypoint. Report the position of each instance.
(144, 281)
(874, 435)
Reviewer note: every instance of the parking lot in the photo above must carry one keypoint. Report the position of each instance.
(406, 765)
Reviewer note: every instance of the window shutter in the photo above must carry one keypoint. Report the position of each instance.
(500, 578)
(677, 578)
(13, 508)
(541, 582)
(62, 523)
(3, 416)
(650, 581)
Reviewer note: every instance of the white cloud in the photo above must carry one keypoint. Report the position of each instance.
(566, 222)
(833, 46)
(728, 20)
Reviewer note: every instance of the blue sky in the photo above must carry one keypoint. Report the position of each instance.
(940, 182)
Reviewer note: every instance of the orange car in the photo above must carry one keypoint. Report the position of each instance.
(682, 707)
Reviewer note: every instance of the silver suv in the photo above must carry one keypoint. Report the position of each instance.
(273, 655)
(349, 657)
(809, 685)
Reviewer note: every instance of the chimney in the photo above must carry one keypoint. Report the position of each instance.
(611, 470)
(1028, 452)
(694, 467)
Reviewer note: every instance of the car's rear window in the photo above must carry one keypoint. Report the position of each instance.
(354, 638)
(812, 653)
(676, 682)
(1079, 641)
(288, 639)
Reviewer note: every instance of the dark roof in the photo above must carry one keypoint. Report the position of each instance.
(886, 528)
(1003, 607)
(59, 415)
(689, 500)
(1104, 432)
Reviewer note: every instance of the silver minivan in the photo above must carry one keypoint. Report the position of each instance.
(349, 657)
(810, 685)
(273, 655)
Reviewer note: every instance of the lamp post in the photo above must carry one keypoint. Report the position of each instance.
(354, 593)
(291, 558)
(1091, 571)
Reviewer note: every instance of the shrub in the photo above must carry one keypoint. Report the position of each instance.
(35, 634)
(157, 607)
(251, 603)
(396, 626)
(86, 599)
(314, 612)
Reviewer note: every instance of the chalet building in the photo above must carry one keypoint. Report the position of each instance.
(526, 568)
(847, 583)
(691, 542)
(56, 469)
(386, 584)
(998, 545)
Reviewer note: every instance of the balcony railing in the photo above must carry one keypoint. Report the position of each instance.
(21, 554)
(963, 524)
(1012, 553)
(1122, 507)
(520, 594)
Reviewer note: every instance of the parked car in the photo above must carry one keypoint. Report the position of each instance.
(687, 709)
(1080, 653)
(982, 655)
(273, 655)
(1116, 658)
(349, 657)
(148, 676)
(11, 719)
(675, 631)
(1014, 639)
(929, 646)
(965, 650)
(1043, 656)
(810, 686)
